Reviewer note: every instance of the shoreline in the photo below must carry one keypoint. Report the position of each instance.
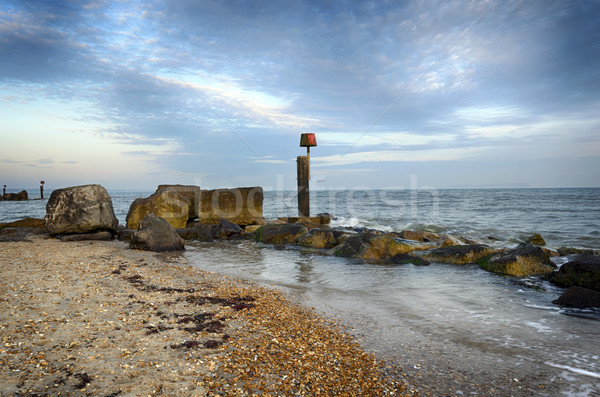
(97, 318)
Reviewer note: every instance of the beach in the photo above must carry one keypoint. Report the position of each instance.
(99, 319)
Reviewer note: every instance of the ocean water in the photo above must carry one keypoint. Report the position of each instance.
(470, 321)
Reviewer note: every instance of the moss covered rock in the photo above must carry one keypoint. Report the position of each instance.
(458, 254)
(524, 260)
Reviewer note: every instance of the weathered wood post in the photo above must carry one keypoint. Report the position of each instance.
(303, 192)
(42, 189)
(303, 166)
(4, 191)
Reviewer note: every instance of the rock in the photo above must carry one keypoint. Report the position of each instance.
(420, 235)
(375, 246)
(242, 206)
(191, 192)
(227, 230)
(536, 239)
(457, 254)
(21, 196)
(26, 222)
(524, 260)
(404, 259)
(352, 246)
(172, 204)
(582, 271)
(124, 234)
(320, 219)
(14, 234)
(579, 297)
(251, 228)
(280, 233)
(200, 232)
(448, 240)
(386, 246)
(80, 209)
(564, 251)
(320, 238)
(156, 234)
(102, 236)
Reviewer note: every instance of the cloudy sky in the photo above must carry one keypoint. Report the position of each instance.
(432, 93)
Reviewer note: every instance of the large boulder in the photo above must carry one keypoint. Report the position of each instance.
(457, 254)
(80, 209)
(21, 196)
(174, 203)
(156, 234)
(524, 260)
(583, 270)
(280, 233)
(242, 206)
(579, 297)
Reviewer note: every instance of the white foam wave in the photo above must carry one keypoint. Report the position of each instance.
(574, 370)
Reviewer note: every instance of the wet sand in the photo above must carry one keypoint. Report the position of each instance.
(99, 319)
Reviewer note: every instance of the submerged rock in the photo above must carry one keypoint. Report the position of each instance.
(579, 297)
(80, 209)
(458, 254)
(583, 271)
(156, 234)
(376, 246)
(197, 231)
(405, 259)
(352, 246)
(524, 260)
(280, 233)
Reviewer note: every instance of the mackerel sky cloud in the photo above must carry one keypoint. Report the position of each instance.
(216, 93)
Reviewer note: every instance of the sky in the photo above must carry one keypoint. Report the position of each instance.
(400, 94)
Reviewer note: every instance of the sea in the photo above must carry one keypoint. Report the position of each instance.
(472, 324)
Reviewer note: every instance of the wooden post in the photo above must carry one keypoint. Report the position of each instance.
(4, 191)
(42, 189)
(303, 192)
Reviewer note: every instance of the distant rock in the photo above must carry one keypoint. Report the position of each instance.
(524, 260)
(457, 254)
(280, 233)
(80, 209)
(578, 297)
(242, 206)
(582, 271)
(21, 196)
(156, 234)
(536, 239)
(173, 203)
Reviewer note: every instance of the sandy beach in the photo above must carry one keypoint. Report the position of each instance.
(99, 319)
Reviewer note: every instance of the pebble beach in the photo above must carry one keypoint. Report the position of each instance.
(99, 319)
